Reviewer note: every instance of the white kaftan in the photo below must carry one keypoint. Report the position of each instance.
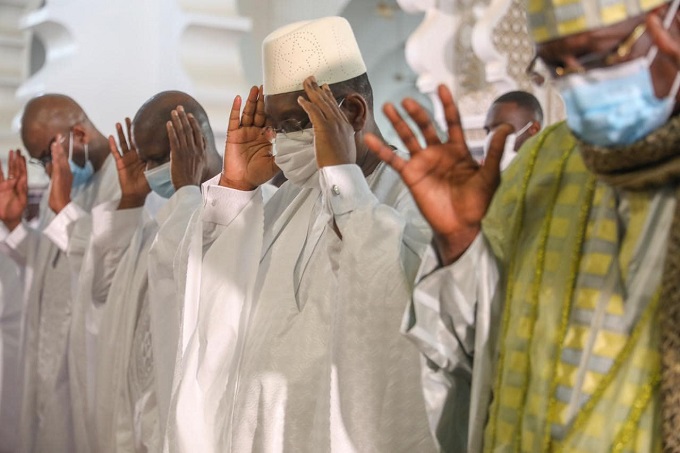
(127, 393)
(291, 332)
(51, 256)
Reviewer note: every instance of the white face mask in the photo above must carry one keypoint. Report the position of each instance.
(509, 152)
(294, 154)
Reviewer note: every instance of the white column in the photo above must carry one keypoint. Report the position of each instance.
(480, 49)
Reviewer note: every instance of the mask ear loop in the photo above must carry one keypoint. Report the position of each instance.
(70, 145)
(524, 129)
(667, 21)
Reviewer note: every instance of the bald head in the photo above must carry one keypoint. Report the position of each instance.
(46, 116)
(149, 132)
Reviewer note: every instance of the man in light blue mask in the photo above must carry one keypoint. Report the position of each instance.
(59, 137)
(557, 290)
(134, 241)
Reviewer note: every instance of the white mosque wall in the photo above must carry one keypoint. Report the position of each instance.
(112, 55)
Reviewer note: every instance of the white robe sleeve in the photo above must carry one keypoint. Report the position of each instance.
(165, 289)
(61, 227)
(112, 231)
(220, 272)
(453, 321)
(17, 243)
(375, 374)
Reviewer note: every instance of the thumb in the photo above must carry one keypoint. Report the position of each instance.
(492, 162)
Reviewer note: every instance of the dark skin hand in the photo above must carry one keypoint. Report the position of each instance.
(133, 184)
(248, 160)
(187, 149)
(451, 189)
(61, 177)
(13, 190)
(333, 134)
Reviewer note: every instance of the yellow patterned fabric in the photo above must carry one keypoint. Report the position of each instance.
(578, 366)
(552, 19)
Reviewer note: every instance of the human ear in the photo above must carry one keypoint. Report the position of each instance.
(80, 133)
(355, 109)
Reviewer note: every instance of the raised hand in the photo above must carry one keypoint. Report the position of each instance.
(451, 189)
(187, 149)
(333, 134)
(133, 184)
(13, 190)
(248, 160)
(60, 176)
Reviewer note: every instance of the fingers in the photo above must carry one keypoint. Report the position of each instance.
(2, 175)
(384, 152)
(402, 128)
(20, 164)
(122, 140)
(172, 136)
(248, 115)
(315, 115)
(128, 125)
(197, 132)
(57, 150)
(113, 147)
(492, 162)
(22, 174)
(178, 125)
(10, 165)
(455, 130)
(260, 115)
(422, 119)
(234, 115)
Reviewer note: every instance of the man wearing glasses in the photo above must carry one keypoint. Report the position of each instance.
(58, 136)
(557, 292)
(291, 319)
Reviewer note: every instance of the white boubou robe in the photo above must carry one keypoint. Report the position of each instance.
(290, 333)
(51, 256)
(11, 310)
(127, 245)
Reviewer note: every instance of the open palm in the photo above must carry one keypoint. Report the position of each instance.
(130, 167)
(450, 188)
(248, 160)
(13, 190)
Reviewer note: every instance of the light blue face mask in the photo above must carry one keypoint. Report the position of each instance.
(81, 175)
(160, 180)
(617, 105)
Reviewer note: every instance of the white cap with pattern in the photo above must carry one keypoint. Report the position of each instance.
(325, 48)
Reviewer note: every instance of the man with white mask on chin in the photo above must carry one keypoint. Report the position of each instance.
(519, 109)
(293, 306)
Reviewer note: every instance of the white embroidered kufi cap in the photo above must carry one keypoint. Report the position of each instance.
(325, 48)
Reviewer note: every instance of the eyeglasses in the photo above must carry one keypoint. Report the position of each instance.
(291, 125)
(539, 71)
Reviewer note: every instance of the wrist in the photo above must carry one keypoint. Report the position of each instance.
(58, 205)
(11, 224)
(450, 247)
(131, 201)
(238, 185)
